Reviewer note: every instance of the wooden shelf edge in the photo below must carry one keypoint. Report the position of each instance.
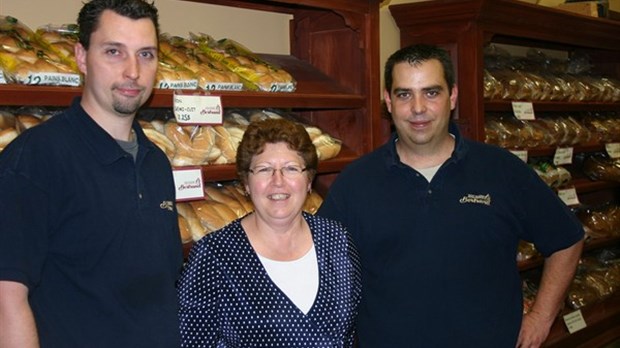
(552, 106)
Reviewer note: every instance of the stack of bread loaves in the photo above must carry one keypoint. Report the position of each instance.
(24, 53)
(211, 75)
(188, 145)
(13, 124)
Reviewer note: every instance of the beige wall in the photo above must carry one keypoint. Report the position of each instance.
(390, 35)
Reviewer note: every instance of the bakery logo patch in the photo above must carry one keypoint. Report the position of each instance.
(476, 199)
(166, 205)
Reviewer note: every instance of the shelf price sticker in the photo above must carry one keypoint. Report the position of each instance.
(522, 154)
(613, 150)
(52, 79)
(574, 321)
(523, 110)
(188, 183)
(198, 109)
(569, 196)
(563, 155)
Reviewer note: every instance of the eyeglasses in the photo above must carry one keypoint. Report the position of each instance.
(289, 172)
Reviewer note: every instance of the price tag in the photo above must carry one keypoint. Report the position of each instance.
(222, 86)
(574, 321)
(523, 110)
(53, 79)
(569, 196)
(563, 155)
(188, 183)
(177, 84)
(198, 109)
(613, 150)
(522, 154)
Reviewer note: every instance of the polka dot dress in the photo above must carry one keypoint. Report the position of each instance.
(228, 300)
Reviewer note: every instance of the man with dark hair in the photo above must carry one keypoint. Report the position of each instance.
(89, 240)
(437, 219)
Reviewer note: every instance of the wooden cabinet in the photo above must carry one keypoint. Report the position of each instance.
(334, 59)
(465, 28)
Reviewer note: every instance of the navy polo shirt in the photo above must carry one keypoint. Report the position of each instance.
(92, 234)
(439, 259)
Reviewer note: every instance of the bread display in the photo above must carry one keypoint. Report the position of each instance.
(194, 145)
(553, 176)
(25, 58)
(211, 74)
(154, 130)
(257, 73)
(508, 132)
(599, 166)
(6, 136)
(598, 277)
(537, 77)
(195, 227)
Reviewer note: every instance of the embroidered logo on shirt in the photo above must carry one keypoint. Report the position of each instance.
(477, 199)
(166, 205)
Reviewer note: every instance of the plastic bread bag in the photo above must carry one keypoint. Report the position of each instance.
(597, 220)
(258, 73)
(27, 61)
(547, 173)
(599, 166)
(580, 294)
(492, 88)
(526, 251)
(194, 145)
(60, 39)
(211, 75)
(8, 132)
(171, 75)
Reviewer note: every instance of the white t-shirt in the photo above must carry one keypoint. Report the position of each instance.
(298, 279)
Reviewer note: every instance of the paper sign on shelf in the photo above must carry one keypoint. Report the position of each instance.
(523, 110)
(197, 109)
(188, 183)
(563, 155)
(613, 150)
(569, 196)
(574, 321)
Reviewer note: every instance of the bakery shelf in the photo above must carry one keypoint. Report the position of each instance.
(552, 106)
(314, 90)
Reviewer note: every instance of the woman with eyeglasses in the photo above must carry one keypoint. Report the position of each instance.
(278, 277)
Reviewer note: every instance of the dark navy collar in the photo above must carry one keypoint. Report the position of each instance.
(104, 148)
(460, 147)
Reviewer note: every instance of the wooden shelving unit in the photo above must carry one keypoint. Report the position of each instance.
(334, 59)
